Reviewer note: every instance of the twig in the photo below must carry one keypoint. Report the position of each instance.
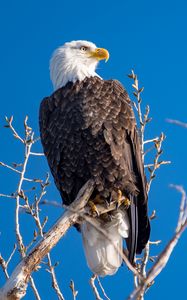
(36, 154)
(94, 288)
(155, 242)
(151, 140)
(176, 122)
(7, 196)
(15, 134)
(102, 288)
(19, 188)
(9, 167)
(145, 260)
(11, 255)
(157, 164)
(54, 280)
(19, 172)
(183, 206)
(32, 180)
(163, 162)
(72, 287)
(52, 203)
(33, 286)
(4, 266)
(143, 119)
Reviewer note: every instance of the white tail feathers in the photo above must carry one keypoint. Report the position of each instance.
(103, 252)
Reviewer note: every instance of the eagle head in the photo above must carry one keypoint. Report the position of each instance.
(74, 61)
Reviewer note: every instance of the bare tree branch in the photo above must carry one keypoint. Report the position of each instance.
(54, 280)
(143, 118)
(94, 288)
(102, 288)
(33, 286)
(166, 253)
(16, 285)
(156, 164)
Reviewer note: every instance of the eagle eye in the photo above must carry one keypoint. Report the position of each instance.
(83, 48)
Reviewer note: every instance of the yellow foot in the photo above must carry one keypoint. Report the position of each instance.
(93, 208)
(126, 202)
(119, 199)
(122, 200)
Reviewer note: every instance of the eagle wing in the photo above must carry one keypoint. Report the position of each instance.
(88, 129)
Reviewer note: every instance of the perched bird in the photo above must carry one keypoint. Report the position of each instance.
(88, 131)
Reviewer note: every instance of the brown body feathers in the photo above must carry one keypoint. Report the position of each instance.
(88, 130)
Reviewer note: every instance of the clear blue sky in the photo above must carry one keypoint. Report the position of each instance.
(148, 36)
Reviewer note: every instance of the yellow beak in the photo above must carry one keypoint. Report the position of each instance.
(100, 53)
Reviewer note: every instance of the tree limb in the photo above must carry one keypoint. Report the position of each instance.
(16, 285)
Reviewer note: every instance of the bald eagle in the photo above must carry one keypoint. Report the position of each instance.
(88, 131)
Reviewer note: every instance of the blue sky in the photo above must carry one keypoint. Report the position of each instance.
(147, 36)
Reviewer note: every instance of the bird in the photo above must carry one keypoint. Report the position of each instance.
(88, 131)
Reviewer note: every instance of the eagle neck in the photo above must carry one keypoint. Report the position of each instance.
(62, 71)
(73, 75)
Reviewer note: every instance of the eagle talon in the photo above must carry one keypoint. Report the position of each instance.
(119, 199)
(126, 202)
(122, 200)
(93, 208)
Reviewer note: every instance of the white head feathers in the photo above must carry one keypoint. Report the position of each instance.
(74, 61)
